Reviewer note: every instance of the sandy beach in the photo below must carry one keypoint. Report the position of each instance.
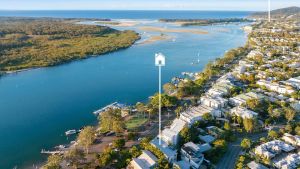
(119, 23)
(169, 30)
(156, 38)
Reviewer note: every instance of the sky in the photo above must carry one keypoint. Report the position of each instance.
(240, 5)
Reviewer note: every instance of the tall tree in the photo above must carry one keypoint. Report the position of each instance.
(86, 137)
(289, 114)
(53, 162)
(248, 124)
(246, 143)
(111, 120)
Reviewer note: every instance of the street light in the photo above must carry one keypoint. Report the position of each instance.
(160, 60)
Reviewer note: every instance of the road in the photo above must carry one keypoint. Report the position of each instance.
(233, 151)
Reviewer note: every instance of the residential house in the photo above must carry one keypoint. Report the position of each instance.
(170, 135)
(214, 102)
(243, 112)
(191, 153)
(145, 161)
(169, 152)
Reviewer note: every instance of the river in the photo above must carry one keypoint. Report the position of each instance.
(38, 106)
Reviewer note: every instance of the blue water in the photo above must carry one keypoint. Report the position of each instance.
(38, 106)
(129, 14)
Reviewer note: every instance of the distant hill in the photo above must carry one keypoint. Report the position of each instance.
(283, 13)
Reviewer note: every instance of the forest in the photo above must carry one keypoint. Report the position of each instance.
(40, 42)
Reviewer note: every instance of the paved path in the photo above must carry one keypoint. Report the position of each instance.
(233, 151)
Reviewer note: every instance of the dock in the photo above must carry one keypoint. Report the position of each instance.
(52, 152)
(112, 105)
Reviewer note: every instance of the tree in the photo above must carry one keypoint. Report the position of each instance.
(289, 114)
(120, 143)
(169, 88)
(140, 107)
(220, 143)
(111, 120)
(166, 101)
(227, 126)
(105, 158)
(207, 117)
(273, 134)
(188, 134)
(246, 143)
(135, 152)
(297, 130)
(86, 137)
(248, 124)
(53, 162)
(74, 155)
(178, 110)
(252, 103)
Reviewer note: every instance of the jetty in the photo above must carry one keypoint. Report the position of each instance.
(114, 105)
(52, 152)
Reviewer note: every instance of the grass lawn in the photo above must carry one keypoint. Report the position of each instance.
(135, 122)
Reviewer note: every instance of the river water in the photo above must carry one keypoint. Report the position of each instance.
(38, 106)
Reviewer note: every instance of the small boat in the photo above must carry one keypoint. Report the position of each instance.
(70, 132)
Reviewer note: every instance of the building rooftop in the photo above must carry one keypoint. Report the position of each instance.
(255, 165)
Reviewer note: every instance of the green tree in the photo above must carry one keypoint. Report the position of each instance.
(135, 152)
(74, 155)
(246, 143)
(248, 124)
(86, 137)
(207, 117)
(119, 143)
(188, 134)
(227, 126)
(111, 120)
(289, 114)
(297, 130)
(169, 88)
(166, 101)
(178, 110)
(273, 134)
(53, 162)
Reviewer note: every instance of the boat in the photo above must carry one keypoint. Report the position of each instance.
(70, 132)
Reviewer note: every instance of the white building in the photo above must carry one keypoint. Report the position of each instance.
(254, 53)
(242, 98)
(195, 113)
(214, 102)
(282, 89)
(294, 140)
(169, 153)
(295, 82)
(255, 165)
(272, 148)
(191, 153)
(170, 135)
(145, 161)
(243, 112)
(288, 161)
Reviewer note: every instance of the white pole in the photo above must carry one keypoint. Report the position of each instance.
(269, 10)
(159, 103)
